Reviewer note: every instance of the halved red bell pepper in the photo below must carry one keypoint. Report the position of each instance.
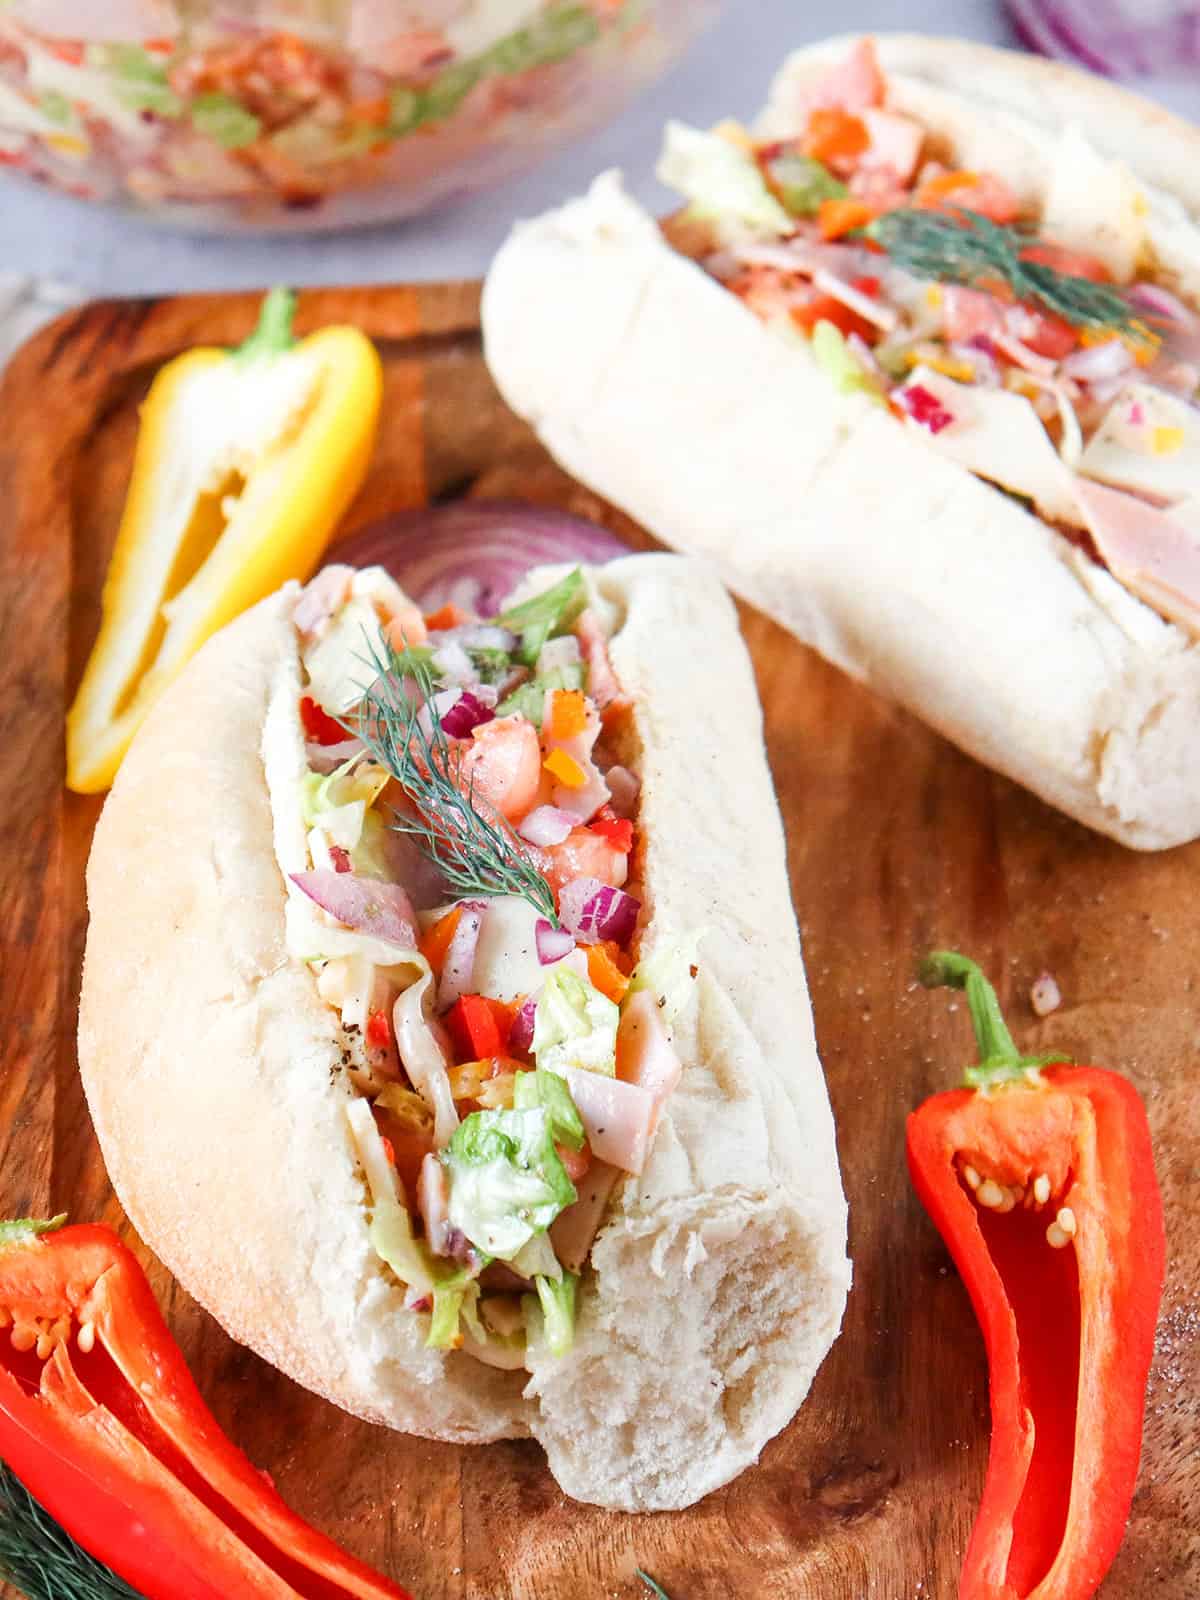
(1040, 1178)
(102, 1422)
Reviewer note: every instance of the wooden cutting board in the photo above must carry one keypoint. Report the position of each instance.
(897, 843)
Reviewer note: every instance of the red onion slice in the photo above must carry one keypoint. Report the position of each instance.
(520, 1034)
(443, 702)
(591, 911)
(474, 552)
(458, 969)
(552, 943)
(1160, 302)
(466, 713)
(547, 825)
(380, 909)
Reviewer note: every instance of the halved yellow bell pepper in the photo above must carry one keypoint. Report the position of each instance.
(246, 460)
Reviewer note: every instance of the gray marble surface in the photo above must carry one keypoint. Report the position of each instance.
(44, 235)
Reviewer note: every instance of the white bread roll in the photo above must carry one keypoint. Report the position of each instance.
(719, 1278)
(655, 386)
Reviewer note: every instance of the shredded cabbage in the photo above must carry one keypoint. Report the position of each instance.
(547, 1089)
(834, 356)
(574, 1025)
(557, 1300)
(721, 181)
(669, 971)
(507, 1182)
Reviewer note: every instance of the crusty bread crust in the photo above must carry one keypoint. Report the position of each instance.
(655, 386)
(208, 1059)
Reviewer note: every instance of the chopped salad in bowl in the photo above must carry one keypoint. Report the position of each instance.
(301, 115)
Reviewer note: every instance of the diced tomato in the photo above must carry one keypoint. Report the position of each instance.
(436, 941)
(967, 313)
(835, 137)
(838, 217)
(867, 285)
(604, 973)
(617, 830)
(1075, 263)
(1048, 335)
(446, 617)
(319, 726)
(478, 1027)
(379, 1030)
(824, 308)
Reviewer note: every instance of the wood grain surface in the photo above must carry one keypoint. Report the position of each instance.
(897, 842)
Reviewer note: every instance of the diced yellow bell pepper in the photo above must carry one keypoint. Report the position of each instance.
(246, 460)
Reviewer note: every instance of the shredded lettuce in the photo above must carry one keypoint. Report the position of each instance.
(834, 356)
(803, 183)
(574, 1025)
(720, 180)
(528, 699)
(337, 803)
(222, 118)
(669, 971)
(545, 614)
(548, 1090)
(506, 1179)
(537, 1259)
(556, 1298)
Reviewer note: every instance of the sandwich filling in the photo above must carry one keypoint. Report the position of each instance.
(469, 904)
(1038, 346)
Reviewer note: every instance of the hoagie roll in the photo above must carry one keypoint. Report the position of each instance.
(917, 368)
(445, 1028)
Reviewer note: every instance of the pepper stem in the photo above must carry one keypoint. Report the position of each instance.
(999, 1059)
(274, 333)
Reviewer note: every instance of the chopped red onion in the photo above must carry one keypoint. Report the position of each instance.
(592, 911)
(923, 406)
(547, 825)
(365, 904)
(467, 712)
(520, 1033)
(445, 700)
(623, 788)
(328, 757)
(458, 969)
(979, 358)
(474, 552)
(340, 858)
(1099, 362)
(1161, 302)
(552, 943)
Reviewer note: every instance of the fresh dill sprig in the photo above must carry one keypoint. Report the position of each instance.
(960, 246)
(476, 854)
(41, 1559)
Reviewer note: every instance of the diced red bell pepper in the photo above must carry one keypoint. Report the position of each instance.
(478, 1027)
(1040, 1178)
(319, 726)
(617, 830)
(379, 1030)
(824, 308)
(102, 1423)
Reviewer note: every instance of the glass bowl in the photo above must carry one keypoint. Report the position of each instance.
(313, 114)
